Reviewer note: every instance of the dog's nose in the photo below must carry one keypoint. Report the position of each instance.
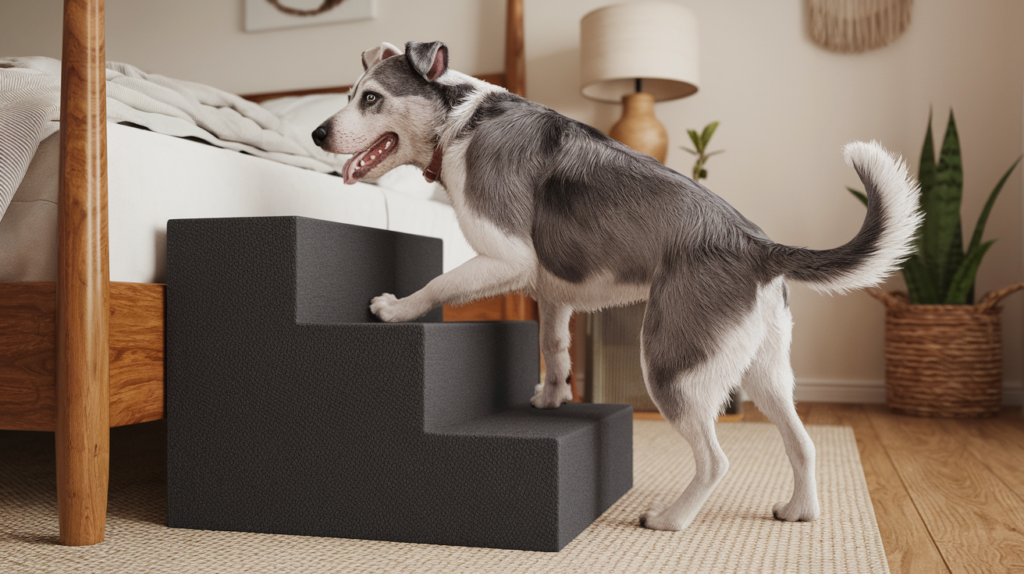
(319, 135)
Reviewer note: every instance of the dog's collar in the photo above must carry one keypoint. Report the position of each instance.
(433, 171)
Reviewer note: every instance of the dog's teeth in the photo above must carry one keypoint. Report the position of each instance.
(387, 144)
(362, 163)
(373, 157)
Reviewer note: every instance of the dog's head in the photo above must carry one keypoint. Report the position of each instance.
(394, 110)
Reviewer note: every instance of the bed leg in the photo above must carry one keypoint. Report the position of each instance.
(83, 282)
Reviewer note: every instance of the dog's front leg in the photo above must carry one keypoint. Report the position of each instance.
(554, 343)
(477, 278)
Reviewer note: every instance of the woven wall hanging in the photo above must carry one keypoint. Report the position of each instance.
(327, 5)
(853, 26)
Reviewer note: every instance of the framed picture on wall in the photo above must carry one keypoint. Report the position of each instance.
(263, 15)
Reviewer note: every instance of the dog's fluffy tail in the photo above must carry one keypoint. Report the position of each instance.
(885, 239)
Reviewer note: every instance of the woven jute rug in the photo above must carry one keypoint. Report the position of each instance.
(734, 532)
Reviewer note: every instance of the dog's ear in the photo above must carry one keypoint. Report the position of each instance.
(430, 59)
(382, 52)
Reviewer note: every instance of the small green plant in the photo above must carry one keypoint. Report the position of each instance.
(940, 272)
(700, 143)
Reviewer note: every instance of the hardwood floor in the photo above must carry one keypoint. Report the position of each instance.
(948, 493)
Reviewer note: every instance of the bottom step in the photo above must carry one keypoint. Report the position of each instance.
(522, 479)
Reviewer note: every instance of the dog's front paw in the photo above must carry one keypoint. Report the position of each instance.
(793, 512)
(655, 518)
(391, 309)
(551, 396)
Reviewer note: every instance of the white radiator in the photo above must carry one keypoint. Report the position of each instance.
(613, 360)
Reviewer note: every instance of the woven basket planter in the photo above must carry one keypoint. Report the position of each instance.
(943, 360)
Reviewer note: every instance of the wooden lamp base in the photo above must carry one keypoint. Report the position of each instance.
(639, 128)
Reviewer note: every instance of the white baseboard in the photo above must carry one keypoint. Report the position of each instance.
(861, 391)
(839, 391)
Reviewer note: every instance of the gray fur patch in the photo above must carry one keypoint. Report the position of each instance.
(491, 106)
(589, 203)
(399, 79)
(694, 301)
(505, 159)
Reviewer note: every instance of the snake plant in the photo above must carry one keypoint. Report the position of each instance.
(940, 271)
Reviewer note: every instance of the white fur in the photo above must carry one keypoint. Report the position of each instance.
(554, 343)
(478, 278)
(899, 194)
(597, 292)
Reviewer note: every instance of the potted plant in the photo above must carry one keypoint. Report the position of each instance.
(701, 142)
(943, 353)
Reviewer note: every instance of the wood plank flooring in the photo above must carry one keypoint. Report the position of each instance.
(948, 494)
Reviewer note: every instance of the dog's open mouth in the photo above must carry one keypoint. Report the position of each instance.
(361, 163)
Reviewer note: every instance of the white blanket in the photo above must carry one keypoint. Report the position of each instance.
(30, 112)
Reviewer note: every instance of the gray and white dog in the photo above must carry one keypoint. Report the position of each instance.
(559, 211)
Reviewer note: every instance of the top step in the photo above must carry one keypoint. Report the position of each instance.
(328, 277)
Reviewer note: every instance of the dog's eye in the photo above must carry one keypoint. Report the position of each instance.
(370, 98)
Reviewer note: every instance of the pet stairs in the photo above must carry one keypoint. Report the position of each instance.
(291, 410)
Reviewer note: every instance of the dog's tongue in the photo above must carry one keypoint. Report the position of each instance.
(349, 171)
(364, 162)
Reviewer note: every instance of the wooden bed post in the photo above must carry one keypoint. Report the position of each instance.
(515, 52)
(83, 281)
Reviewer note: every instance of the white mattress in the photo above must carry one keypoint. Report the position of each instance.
(153, 178)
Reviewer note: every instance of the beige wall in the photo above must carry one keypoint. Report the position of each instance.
(785, 107)
(204, 40)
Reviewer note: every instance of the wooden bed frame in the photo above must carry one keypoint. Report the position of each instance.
(83, 354)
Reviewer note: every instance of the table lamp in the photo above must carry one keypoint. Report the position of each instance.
(639, 53)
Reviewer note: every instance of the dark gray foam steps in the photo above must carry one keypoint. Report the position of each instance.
(291, 410)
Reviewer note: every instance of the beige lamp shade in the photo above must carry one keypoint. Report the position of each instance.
(655, 42)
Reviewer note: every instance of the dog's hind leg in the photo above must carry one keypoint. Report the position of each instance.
(769, 383)
(690, 366)
(711, 464)
(554, 343)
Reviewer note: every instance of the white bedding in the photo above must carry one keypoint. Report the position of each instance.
(154, 177)
(30, 109)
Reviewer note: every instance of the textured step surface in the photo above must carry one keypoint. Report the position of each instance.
(291, 410)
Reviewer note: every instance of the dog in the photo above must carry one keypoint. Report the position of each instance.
(559, 211)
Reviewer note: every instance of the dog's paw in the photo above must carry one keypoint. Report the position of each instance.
(391, 309)
(551, 396)
(793, 512)
(655, 519)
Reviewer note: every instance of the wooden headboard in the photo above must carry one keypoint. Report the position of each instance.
(497, 79)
